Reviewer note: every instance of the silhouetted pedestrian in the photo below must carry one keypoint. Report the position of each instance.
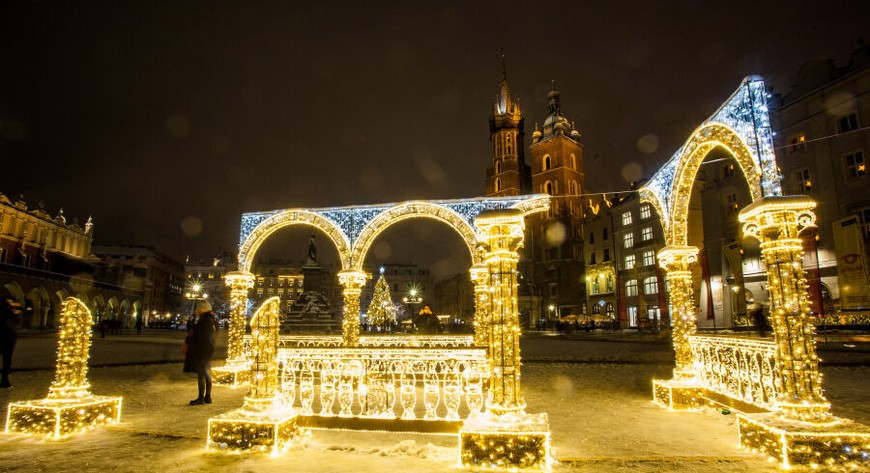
(200, 350)
(10, 323)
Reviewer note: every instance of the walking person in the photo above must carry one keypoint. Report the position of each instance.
(10, 322)
(200, 350)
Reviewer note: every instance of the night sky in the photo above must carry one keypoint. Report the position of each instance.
(166, 120)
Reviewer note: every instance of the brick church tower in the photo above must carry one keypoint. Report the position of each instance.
(508, 173)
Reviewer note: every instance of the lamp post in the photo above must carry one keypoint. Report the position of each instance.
(195, 294)
(412, 299)
(552, 313)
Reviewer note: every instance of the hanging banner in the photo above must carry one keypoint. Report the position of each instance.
(851, 265)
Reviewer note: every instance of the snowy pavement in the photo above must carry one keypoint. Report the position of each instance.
(597, 395)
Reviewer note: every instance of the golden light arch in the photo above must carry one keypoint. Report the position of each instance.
(742, 127)
(286, 218)
(353, 228)
(409, 210)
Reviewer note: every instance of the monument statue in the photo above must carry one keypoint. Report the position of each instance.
(312, 251)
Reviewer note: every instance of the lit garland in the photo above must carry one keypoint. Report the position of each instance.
(802, 429)
(504, 436)
(237, 368)
(69, 407)
(264, 421)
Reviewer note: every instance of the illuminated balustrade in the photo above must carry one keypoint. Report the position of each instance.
(377, 383)
(380, 341)
(741, 369)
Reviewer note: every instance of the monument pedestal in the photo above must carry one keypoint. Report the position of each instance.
(510, 441)
(841, 442)
(61, 417)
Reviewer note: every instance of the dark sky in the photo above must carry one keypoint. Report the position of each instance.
(166, 120)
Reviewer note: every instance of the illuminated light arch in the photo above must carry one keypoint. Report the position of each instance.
(408, 210)
(345, 225)
(284, 218)
(742, 127)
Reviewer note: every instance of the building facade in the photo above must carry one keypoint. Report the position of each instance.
(44, 260)
(551, 266)
(822, 143)
(159, 277)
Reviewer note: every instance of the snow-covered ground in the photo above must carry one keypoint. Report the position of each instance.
(597, 396)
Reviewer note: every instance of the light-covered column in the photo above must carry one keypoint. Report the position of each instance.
(235, 371)
(683, 390)
(480, 279)
(802, 429)
(505, 436)
(677, 262)
(264, 421)
(351, 282)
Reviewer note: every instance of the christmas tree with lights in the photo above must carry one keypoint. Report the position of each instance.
(382, 311)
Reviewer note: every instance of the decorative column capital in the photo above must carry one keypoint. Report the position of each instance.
(479, 274)
(677, 258)
(352, 279)
(778, 217)
(503, 229)
(239, 280)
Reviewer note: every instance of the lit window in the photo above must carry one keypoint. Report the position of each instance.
(595, 286)
(629, 262)
(645, 211)
(728, 170)
(632, 316)
(631, 287)
(646, 234)
(628, 239)
(626, 218)
(855, 165)
(649, 258)
(650, 285)
(802, 180)
(731, 205)
(798, 142)
(847, 123)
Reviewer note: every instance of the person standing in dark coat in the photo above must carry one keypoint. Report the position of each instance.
(201, 350)
(10, 322)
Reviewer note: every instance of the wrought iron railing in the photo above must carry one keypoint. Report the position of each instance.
(384, 383)
(739, 368)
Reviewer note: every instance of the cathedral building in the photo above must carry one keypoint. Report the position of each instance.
(551, 266)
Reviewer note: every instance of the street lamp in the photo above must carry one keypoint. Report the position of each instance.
(552, 311)
(413, 298)
(196, 293)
